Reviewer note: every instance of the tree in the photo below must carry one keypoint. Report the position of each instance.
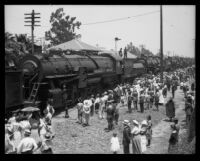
(63, 27)
(133, 49)
(24, 42)
(15, 47)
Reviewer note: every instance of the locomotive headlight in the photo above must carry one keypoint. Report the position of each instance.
(29, 67)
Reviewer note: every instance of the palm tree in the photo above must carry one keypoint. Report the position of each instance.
(14, 49)
(24, 42)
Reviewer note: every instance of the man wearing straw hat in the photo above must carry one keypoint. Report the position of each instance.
(126, 136)
(27, 145)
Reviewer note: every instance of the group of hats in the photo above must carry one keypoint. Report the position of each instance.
(127, 122)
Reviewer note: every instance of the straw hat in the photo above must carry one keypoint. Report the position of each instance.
(10, 130)
(126, 122)
(48, 136)
(135, 122)
(144, 122)
(27, 132)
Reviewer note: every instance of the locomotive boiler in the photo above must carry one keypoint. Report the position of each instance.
(82, 74)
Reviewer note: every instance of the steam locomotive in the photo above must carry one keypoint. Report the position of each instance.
(83, 73)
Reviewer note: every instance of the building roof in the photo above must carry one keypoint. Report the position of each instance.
(76, 45)
(131, 56)
(111, 53)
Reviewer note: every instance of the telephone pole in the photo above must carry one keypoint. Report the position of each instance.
(161, 44)
(32, 17)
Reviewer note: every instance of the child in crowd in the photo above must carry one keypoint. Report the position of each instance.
(115, 146)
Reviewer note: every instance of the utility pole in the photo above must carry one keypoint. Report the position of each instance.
(32, 17)
(161, 44)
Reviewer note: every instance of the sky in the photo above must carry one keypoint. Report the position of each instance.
(178, 25)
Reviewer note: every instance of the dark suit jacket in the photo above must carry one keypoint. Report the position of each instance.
(126, 135)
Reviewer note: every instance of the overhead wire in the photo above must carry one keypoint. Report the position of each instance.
(123, 18)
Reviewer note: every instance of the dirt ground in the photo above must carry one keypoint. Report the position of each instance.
(72, 138)
(162, 131)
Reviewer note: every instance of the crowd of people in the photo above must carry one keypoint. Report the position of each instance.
(145, 93)
(28, 132)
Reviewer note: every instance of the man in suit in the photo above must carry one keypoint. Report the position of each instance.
(126, 136)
